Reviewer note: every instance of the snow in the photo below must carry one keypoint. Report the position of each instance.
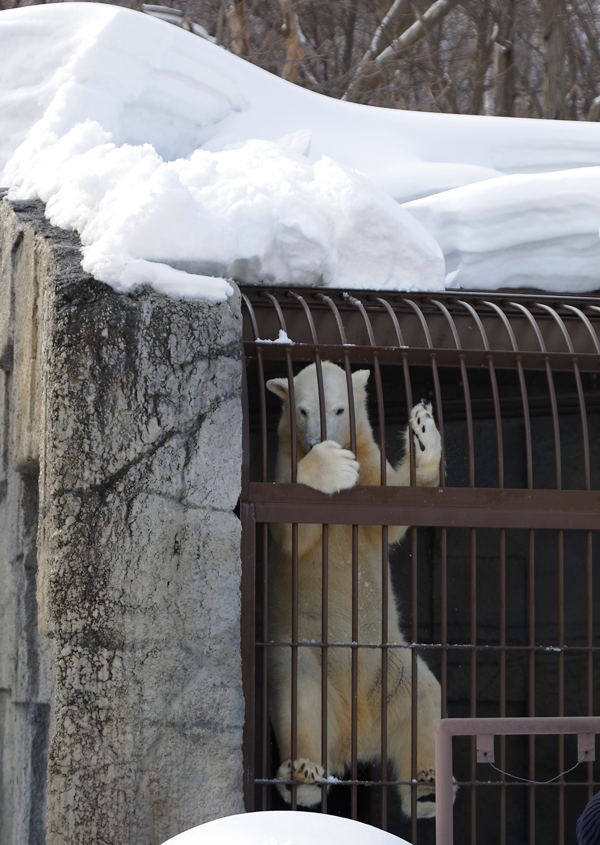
(500, 234)
(284, 828)
(182, 166)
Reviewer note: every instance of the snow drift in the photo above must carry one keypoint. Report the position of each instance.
(181, 164)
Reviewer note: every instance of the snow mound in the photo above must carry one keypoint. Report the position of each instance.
(160, 147)
(533, 231)
(112, 157)
(280, 827)
(258, 211)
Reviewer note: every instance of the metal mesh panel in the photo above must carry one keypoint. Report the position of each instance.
(494, 581)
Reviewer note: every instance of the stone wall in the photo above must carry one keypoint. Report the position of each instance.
(121, 449)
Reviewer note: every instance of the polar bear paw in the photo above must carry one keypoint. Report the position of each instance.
(425, 795)
(306, 775)
(329, 468)
(426, 437)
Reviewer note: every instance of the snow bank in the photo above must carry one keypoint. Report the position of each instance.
(284, 828)
(120, 109)
(160, 147)
(534, 231)
(259, 211)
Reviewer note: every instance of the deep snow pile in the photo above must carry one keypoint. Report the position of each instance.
(181, 164)
(284, 828)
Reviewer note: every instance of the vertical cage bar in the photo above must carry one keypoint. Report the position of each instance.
(584, 426)
(466, 391)
(294, 655)
(414, 634)
(589, 643)
(502, 674)
(324, 550)
(384, 672)
(495, 394)
(324, 657)
(436, 386)
(354, 679)
(262, 400)
(248, 639)
(531, 678)
(473, 680)
(444, 621)
(264, 719)
(407, 385)
(555, 423)
(561, 679)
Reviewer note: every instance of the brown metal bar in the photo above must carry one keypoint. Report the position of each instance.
(418, 356)
(247, 635)
(354, 677)
(531, 676)
(584, 426)
(262, 400)
(264, 718)
(444, 621)
(523, 386)
(495, 393)
(275, 302)
(425, 506)
(465, 385)
(384, 671)
(354, 665)
(292, 399)
(324, 550)
(586, 445)
(473, 680)
(294, 655)
(407, 386)
(437, 646)
(460, 783)
(560, 597)
(585, 320)
(433, 361)
(589, 641)
(324, 657)
(502, 673)
(319, 369)
(414, 636)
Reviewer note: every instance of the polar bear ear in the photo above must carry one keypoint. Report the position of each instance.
(279, 386)
(360, 378)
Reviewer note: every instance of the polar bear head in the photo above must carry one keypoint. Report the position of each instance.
(306, 400)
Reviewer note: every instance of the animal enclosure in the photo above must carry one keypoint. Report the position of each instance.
(496, 578)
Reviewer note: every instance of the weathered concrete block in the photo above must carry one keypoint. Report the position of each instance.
(133, 405)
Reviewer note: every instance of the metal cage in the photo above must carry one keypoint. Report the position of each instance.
(495, 580)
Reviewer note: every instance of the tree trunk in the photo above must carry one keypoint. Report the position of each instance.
(554, 21)
(295, 42)
(483, 50)
(504, 66)
(239, 39)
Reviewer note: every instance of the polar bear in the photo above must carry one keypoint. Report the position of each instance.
(330, 466)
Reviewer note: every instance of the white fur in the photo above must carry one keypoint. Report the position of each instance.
(330, 466)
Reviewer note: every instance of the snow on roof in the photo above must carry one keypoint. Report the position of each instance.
(280, 827)
(182, 165)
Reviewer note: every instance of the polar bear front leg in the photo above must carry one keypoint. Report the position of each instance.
(428, 444)
(328, 468)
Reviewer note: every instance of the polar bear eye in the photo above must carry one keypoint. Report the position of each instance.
(304, 412)
(339, 411)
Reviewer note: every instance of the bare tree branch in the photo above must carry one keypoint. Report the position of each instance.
(374, 64)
